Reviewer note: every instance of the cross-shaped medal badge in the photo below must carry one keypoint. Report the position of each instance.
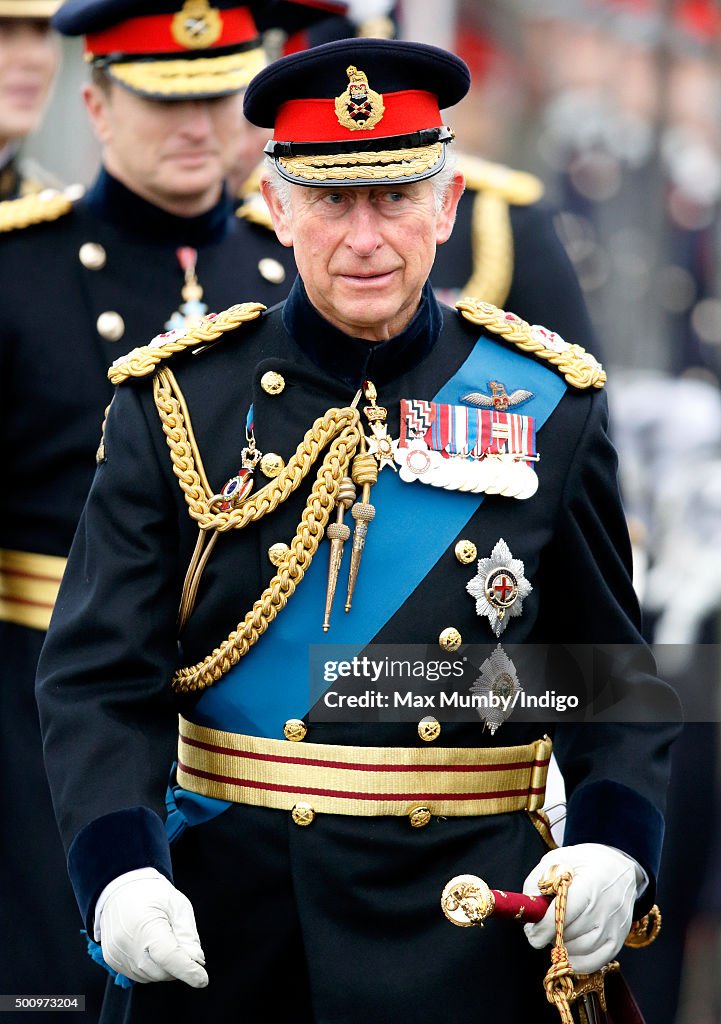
(380, 444)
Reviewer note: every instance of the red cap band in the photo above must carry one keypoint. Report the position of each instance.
(152, 34)
(311, 120)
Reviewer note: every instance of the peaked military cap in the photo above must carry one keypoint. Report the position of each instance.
(178, 49)
(40, 10)
(357, 111)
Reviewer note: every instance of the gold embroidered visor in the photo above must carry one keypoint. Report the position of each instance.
(392, 166)
(195, 77)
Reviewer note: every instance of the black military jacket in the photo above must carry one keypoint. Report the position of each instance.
(53, 356)
(113, 645)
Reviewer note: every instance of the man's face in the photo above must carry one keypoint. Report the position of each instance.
(174, 153)
(365, 253)
(28, 61)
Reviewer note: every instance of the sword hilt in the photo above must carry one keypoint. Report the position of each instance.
(467, 900)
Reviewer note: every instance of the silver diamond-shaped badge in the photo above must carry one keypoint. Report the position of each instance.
(498, 687)
(500, 587)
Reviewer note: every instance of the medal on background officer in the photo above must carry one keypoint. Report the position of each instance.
(309, 854)
(153, 242)
(28, 62)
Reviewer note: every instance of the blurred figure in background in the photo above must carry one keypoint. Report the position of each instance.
(628, 103)
(154, 242)
(28, 63)
(628, 115)
(671, 480)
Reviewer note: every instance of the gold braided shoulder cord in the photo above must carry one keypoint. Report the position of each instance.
(339, 429)
(579, 367)
(492, 250)
(142, 361)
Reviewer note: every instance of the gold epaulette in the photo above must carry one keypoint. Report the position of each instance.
(139, 362)
(517, 187)
(254, 210)
(252, 206)
(578, 367)
(31, 186)
(37, 208)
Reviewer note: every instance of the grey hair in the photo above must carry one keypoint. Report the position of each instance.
(440, 181)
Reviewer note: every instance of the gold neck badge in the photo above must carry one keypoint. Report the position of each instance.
(359, 107)
(196, 25)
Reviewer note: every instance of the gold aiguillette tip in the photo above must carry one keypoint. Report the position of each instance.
(337, 533)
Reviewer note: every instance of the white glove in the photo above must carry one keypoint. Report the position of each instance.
(147, 930)
(600, 902)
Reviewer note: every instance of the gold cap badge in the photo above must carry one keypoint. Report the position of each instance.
(359, 107)
(197, 25)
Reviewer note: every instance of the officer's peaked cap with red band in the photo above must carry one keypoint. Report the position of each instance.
(358, 111)
(180, 49)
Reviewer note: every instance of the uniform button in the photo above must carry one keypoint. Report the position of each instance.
(302, 814)
(429, 729)
(110, 325)
(92, 256)
(450, 639)
(466, 552)
(277, 553)
(272, 383)
(295, 730)
(271, 465)
(271, 270)
(419, 816)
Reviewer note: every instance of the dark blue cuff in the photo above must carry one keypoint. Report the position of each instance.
(110, 846)
(611, 813)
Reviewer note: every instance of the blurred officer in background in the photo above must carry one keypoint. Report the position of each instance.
(153, 243)
(28, 62)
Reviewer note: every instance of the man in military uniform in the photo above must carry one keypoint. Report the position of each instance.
(155, 243)
(308, 856)
(28, 62)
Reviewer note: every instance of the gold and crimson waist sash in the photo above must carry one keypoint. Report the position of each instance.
(361, 780)
(29, 585)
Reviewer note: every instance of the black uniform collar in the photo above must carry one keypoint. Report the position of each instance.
(353, 360)
(113, 202)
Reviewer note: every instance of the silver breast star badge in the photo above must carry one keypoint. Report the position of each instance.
(498, 686)
(500, 587)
